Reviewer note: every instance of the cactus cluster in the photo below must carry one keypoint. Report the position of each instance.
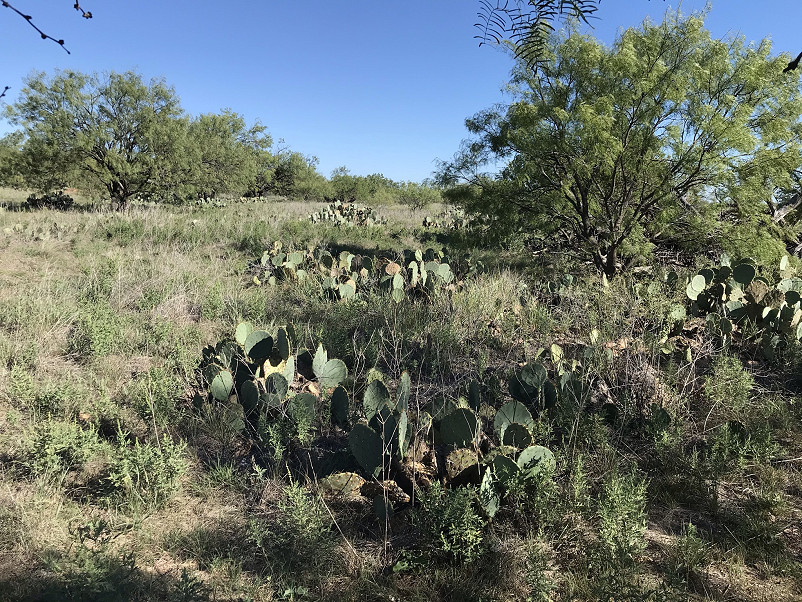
(391, 443)
(732, 293)
(453, 218)
(259, 371)
(39, 232)
(346, 214)
(52, 200)
(342, 277)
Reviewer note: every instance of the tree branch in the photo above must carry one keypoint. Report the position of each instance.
(42, 34)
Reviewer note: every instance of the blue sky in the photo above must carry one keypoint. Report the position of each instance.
(379, 86)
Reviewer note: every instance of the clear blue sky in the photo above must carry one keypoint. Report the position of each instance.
(379, 86)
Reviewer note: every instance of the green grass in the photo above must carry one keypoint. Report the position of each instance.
(114, 485)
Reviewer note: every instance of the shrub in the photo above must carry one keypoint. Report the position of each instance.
(97, 331)
(727, 388)
(622, 515)
(51, 200)
(145, 473)
(688, 553)
(299, 531)
(449, 519)
(56, 446)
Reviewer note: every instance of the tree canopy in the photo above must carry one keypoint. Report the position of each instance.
(113, 131)
(603, 146)
(127, 138)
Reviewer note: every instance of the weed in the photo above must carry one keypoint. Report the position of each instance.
(144, 474)
(54, 447)
(451, 523)
(688, 553)
(297, 537)
(622, 515)
(97, 332)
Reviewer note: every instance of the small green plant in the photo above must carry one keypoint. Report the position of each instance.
(146, 474)
(537, 563)
(55, 446)
(688, 553)
(622, 516)
(97, 332)
(451, 522)
(299, 531)
(189, 589)
(93, 570)
(728, 388)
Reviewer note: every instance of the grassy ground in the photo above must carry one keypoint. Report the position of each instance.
(114, 487)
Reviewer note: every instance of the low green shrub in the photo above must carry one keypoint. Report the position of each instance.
(449, 520)
(55, 446)
(622, 515)
(146, 474)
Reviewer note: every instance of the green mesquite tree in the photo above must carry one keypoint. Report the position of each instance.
(603, 144)
(113, 132)
(224, 153)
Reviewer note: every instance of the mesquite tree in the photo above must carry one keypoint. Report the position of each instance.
(602, 144)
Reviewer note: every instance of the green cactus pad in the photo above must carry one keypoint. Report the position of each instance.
(289, 370)
(386, 425)
(517, 435)
(708, 274)
(459, 428)
(535, 459)
(789, 284)
(242, 332)
(489, 498)
(414, 276)
(376, 397)
(698, 283)
(347, 290)
(404, 391)
(514, 411)
(249, 395)
(382, 508)
(276, 384)
(505, 469)
(258, 346)
(329, 373)
(339, 407)
(221, 385)
(474, 395)
(724, 273)
(398, 281)
(792, 297)
(227, 353)
(534, 375)
(366, 446)
(302, 408)
(743, 273)
(404, 434)
(282, 344)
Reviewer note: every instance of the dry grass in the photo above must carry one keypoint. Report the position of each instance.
(154, 285)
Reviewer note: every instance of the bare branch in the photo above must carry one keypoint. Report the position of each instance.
(42, 34)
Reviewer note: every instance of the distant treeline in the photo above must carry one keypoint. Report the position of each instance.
(117, 137)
